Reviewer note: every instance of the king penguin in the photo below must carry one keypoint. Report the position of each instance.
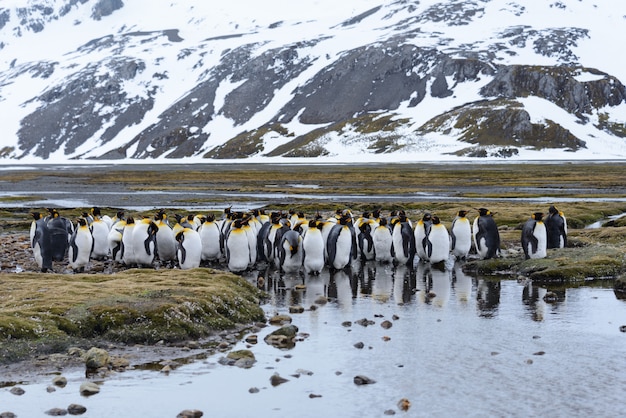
(40, 242)
(365, 240)
(422, 229)
(100, 232)
(61, 229)
(485, 234)
(341, 244)
(210, 237)
(313, 248)
(128, 249)
(166, 245)
(236, 246)
(189, 248)
(383, 243)
(556, 228)
(403, 240)
(144, 242)
(114, 238)
(80, 246)
(534, 237)
(290, 254)
(439, 242)
(461, 235)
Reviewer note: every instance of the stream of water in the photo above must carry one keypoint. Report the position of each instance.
(459, 345)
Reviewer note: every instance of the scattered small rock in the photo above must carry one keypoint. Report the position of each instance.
(166, 369)
(386, 338)
(89, 388)
(395, 317)
(404, 404)
(313, 308)
(536, 337)
(365, 322)
(283, 337)
(529, 361)
(51, 389)
(16, 390)
(390, 412)
(190, 413)
(7, 415)
(363, 380)
(321, 300)
(359, 345)
(346, 323)
(494, 353)
(276, 380)
(56, 412)
(386, 324)
(539, 353)
(305, 372)
(313, 395)
(622, 328)
(280, 320)
(252, 339)
(296, 309)
(76, 409)
(96, 358)
(253, 390)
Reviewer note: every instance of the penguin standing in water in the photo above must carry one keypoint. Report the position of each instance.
(166, 245)
(144, 242)
(485, 234)
(365, 240)
(438, 242)
(61, 229)
(383, 242)
(40, 242)
(341, 244)
(290, 254)
(534, 237)
(460, 235)
(189, 248)
(236, 246)
(556, 228)
(422, 229)
(403, 240)
(210, 237)
(80, 246)
(313, 248)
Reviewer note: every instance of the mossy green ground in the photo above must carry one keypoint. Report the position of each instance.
(134, 306)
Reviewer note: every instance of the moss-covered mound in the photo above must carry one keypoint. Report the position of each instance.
(134, 306)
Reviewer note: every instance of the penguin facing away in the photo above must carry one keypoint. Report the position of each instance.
(403, 240)
(144, 242)
(556, 228)
(290, 252)
(313, 248)
(189, 248)
(61, 229)
(461, 235)
(210, 237)
(439, 242)
(486, 235)
(534, 237)
(40, 242)
(365, 240)
(80, 246)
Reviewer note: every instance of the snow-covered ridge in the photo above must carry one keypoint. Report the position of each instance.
(357, 80)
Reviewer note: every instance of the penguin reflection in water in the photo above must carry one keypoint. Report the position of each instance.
(485, 234)
(534, 239)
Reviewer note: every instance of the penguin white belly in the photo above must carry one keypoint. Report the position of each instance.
(165, 243)
(189, 249)
(291, 252)
(128, 249)
(343, 250)
(313, 245)
(542, 241)
(251, 235)
(440, 243)
(143, 244)
(401, 256)
(462, 232)
(210, 237)
(100, 232)
(237, 250)
(79, 250)
(382, 244)
(420, 241)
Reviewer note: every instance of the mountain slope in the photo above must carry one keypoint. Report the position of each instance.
(364, 80)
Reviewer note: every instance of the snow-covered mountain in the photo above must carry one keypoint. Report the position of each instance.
(314, 80)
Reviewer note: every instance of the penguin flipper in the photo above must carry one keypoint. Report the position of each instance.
(181, 248)
(452, 241)
(146, 244)
(74, 249)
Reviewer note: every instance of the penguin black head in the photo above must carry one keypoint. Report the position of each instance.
(427, 217)
(537, 216)
(210, 218)
(120, 214)
(484, 212)
(436, 220)
(36, 215)
(81, 221)
(462, 213)
(313, 223)
(553, 210)
(95, 211)
(178, 217)
(383, 222)
(130, 220)
(237, 223)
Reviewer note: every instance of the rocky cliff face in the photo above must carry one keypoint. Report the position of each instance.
(121, 96)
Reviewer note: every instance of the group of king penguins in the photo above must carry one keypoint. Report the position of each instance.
(287, 240)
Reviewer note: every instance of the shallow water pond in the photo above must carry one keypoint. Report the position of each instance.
(457, 346)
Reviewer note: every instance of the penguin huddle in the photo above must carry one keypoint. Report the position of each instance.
(289, 241)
